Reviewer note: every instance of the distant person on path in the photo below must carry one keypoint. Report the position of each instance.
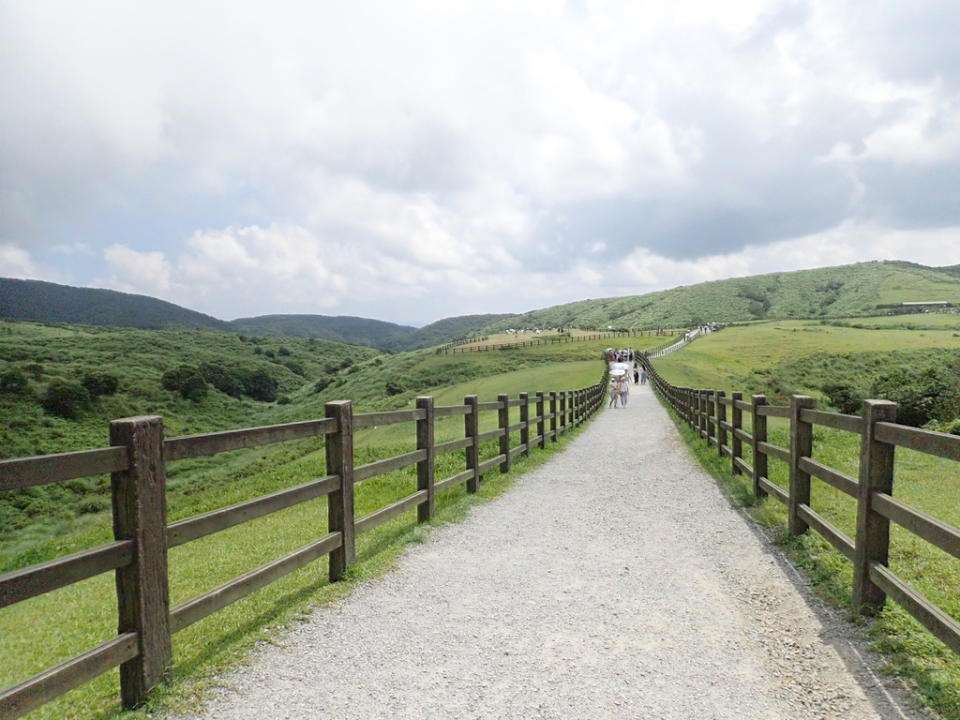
(643, 376)
(614, 392)
(636, 374)
(624, 392)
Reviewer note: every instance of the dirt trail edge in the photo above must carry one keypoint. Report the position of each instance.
(614, 581)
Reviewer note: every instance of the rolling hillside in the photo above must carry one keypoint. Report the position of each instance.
(846, 290)
(340, 328)
(48, 302)
(442, 331)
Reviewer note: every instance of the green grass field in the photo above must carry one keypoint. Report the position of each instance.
(735, 358)
(48, 629)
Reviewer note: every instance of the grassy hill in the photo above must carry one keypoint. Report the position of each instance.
(339, 328)
(846, 290)
(442, 331)
(52, 303)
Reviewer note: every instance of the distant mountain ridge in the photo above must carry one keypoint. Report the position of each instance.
(443, 331)
(842, 291)
(341, 328)
(845, 290)
(49, 302)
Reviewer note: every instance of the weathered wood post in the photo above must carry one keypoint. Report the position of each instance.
(704, 421)
(525, 422)
(471, 429)
(563, 411)
(340, 515)
(759, 432)
(503, 414)
(541, 425)
(736, 422)
(721, 415)
(801, 445)
(143, 592)
(426, 467)
(708, 415)
(553, 415)
(873, 530)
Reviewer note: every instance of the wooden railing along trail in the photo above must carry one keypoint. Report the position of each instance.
(705, 410)
(137, 461)
(453, 348)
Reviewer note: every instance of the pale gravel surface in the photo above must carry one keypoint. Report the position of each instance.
(614, 581)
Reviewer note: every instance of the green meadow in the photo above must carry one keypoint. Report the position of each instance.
(800, 357)
(46, 630)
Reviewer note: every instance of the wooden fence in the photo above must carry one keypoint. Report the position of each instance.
(706, 411)
(554, 340)
(137, 459)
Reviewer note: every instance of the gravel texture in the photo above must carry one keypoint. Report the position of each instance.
(614, 581)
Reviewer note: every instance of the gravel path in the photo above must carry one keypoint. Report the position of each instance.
(595, 588)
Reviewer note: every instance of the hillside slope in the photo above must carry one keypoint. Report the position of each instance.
(339, 328)
(825, 292)
(48, 302)
(442, 331)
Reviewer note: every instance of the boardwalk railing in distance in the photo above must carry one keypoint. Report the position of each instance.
(706, 411)
(551, 340)
(137, 461)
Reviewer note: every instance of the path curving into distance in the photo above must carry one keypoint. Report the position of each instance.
(614, 581)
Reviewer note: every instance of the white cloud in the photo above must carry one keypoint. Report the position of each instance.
(133, 271)
(426, 158)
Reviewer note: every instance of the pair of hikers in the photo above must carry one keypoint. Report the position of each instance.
(639, 374)
(619, 390)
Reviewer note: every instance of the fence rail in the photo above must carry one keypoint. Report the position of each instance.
(880, 436)
(137, 460)
(555, 340)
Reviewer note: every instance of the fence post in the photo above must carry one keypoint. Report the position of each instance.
(471, 429)
(541, 425)
(139, 496)
(553, 415)
(503, 415)
(705, 414)
(759, 432)
(873, 530)
(563, 411)
(736, 422)
(425, 468)
(721, 416)
(340, 516)
(801, 445)
(524, 421)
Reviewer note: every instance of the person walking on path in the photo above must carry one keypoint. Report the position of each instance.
(624, 391)
(643, 375)
(614, 392)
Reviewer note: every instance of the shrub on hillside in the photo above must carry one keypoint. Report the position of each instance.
(393, 388)
(321, 385)
(260, 386)
(13, 382)
(845, 397)
(295, 367)
(65, 398)
(174, 379)
(222, 379)
(98, 383)
(194, 388)
(923, 395)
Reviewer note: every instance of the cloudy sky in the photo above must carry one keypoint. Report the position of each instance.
(410, 161)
